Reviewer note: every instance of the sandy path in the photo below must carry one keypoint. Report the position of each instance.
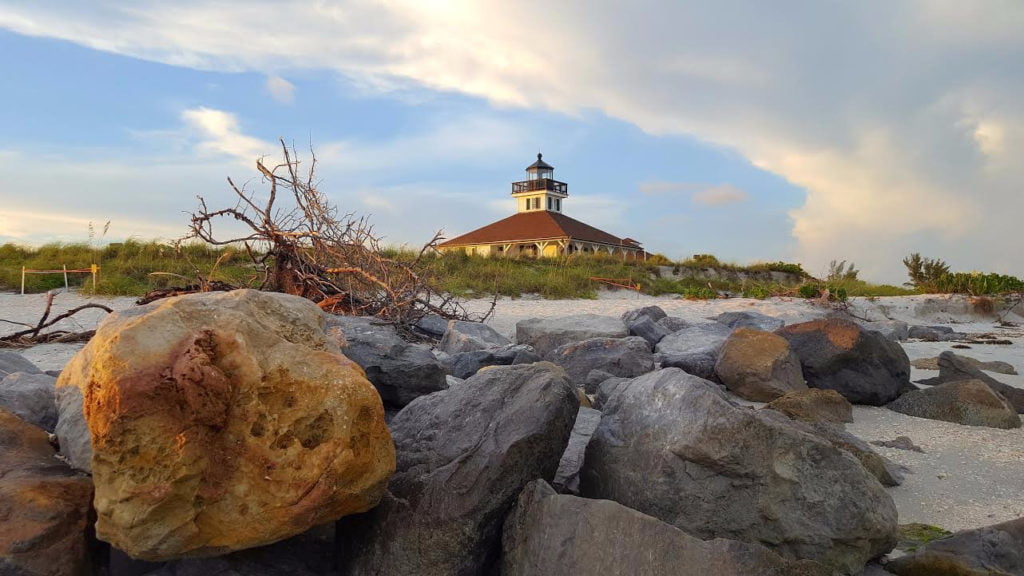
(968, 476)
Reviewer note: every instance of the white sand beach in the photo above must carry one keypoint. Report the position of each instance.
(967, 477)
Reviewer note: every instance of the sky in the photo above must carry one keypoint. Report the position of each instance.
(755, 131)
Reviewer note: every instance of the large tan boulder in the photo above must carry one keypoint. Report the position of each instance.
(759, 366)
(225, 421)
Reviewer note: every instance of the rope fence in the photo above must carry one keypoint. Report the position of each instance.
(94, 270)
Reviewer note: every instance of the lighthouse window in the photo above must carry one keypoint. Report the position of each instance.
(558, 204)
(549, 203)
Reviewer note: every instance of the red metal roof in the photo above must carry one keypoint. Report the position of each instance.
(540, 225)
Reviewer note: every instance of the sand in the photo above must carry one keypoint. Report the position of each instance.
(967, 477)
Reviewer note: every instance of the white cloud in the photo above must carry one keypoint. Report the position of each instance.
(221, 134)
(897, 123)
(280, 89)
(721, 195)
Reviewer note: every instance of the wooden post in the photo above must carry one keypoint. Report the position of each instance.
(95, 270)
(22, 280)
(66, 289)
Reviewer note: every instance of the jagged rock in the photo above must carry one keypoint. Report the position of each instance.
(548, 534)
(934, 333)
(953, 367)
(758, 366)
(399, 370)
(622, 357)
(11, 362)
(653, 313)
(895, 330)
(990, 551)
(432, 325)
(72, 431)
(649, 330)
(694, 348)
(44, 505)
(222, 421)
(672, 445)
(970, 402)
(749, 319)
(463, 456)
(606, 389)
(466, 364)
(546, 334)
(462, 336)
(837, 354)
(673, 323)
(814, 405)
(899, 443)
(997, 366)
(30, 397)
(567, 478)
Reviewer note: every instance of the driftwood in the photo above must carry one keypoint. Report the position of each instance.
(35, 335)
(305, 247)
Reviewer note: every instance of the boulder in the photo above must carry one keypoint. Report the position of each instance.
(991, 550)
(953, 367)
(673, 323)
(673, 446)
(895, 330)
(652, 313)
(622, 357)
(749, 319)
(463, 336)
(399, 370)
(546, 334)
(837, 354)
(606, 389)
(997, 366)
(567, 478)
(432, 325)
(223, 421)
(72, 431)
(694, 348)
(814, 405)
(30, 397)
(44, 505)
(934, 333)
(886, 471)
(465, 364)
(649, 330)
(548, 534)
(463, 456)
(970, 402)
(758, 366)
(11, 362)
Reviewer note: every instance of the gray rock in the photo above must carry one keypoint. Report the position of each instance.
(548, 534)
(970, 402)
(623, 357)
(399, 370)
(673, 323)
(432, 325)
(606, 389)
(886, 471)
(672, 445)
(72, 431)
(649, 330)
(453, 381)
(895, 330)
(953, 367)
(758, 366)
(546, 334)
(11, 362)
(463, 456)
(567, 478)
(997, 366)
(837, 354)
(934, 333)
(748, 319)
(462, 336)
(30, 397)
(814, 405)
(694, 349)
(466, 364)
(899, 443)
(992, 550)
(654, 313)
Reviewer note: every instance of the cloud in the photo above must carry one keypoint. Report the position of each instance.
(721, 195)
(220, 134)
(280, 89)
(898, 127)
(655, 188)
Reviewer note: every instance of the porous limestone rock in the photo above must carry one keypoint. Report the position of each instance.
(225, 421)
(814, 405)
(969, 402)
(758, 366)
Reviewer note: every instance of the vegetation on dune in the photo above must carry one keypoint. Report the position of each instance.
(933, 275)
